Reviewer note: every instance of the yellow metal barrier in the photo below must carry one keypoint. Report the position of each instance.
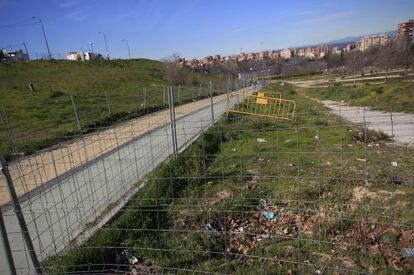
(265, 104)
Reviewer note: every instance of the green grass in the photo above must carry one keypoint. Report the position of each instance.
(396, 95)
(299, 174)
(41, 118)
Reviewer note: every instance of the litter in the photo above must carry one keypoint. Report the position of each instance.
(269, 215)
(408, 252)
(317, 137)
(234, 150)
(362, 160)
(260, 140)
(211, 229)
(262, 237)
(394, 164)
(287, 141)
(127, 256)
(262, 203)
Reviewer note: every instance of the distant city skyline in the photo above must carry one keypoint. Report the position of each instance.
(194, 29)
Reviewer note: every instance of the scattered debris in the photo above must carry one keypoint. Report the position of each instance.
(260, 140)
(288, 140)
(269, 215)
(262, 203)
(362, 160)
(397, 181)
(127, 258)
(234, 149)
(407, 252)
(31, 87)
(210, 229)
(146, 267)
(394, 164)
(370, 137)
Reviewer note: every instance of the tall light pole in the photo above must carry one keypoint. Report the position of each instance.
(27, 53)
(106, 45)
(91, 46)
(44, 35)
(129, 51)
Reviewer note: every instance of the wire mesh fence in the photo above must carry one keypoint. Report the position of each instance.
(330, 192)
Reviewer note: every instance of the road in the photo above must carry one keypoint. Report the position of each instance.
(74, 190)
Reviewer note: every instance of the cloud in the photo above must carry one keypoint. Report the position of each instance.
(325, 17)
(78, 15)
(65, 3)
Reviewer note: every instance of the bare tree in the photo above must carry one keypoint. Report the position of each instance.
(356, 60)
(173, 72)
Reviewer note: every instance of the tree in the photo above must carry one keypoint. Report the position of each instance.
(173, 72)
(356, 61)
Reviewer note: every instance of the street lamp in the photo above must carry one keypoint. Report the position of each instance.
(106, 45)
(129, 51)
(91, 43)
(44, 35)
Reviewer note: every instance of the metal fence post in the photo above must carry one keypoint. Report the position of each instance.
(108, 105)
(211, 103)
(175, 125)
(9, 131)
(19, 215)
(145, 98)
(75, 111)
(192, 90)
(178, 94)
(164, 91)
(172, 120)
(6, 244)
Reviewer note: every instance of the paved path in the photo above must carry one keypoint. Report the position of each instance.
(80, 179)
(399, 125)
(30, 173)
(348, 81)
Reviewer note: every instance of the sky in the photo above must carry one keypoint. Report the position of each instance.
(157, 29)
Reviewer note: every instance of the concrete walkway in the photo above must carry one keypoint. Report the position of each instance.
(398, 125)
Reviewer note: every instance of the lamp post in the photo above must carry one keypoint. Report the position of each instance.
(44, 35)
(90, 43)
(106, 45)
(129, 50)
(27, 53)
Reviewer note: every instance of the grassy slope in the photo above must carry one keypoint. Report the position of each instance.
(310, 183)
(48, 113)
(395, 95)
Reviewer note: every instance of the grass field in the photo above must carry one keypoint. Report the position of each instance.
(337, 204)
(396, 95)
(41, 118)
